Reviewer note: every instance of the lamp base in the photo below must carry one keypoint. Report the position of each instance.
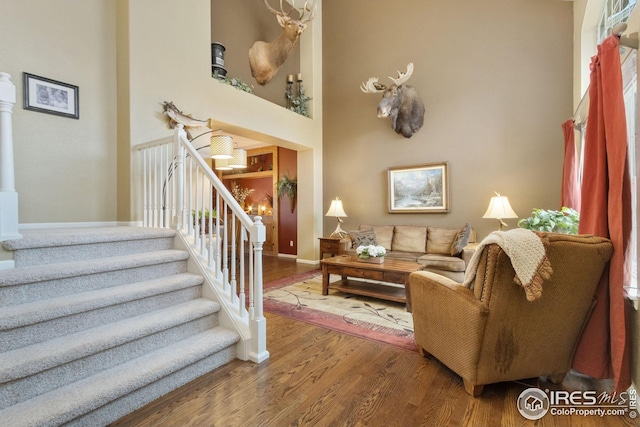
(339, 232)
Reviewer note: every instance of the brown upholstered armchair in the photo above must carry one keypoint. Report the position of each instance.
(492, 333)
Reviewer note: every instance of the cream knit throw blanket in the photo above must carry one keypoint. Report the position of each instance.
(528, 258)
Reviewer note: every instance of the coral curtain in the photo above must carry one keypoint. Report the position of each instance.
(604, 348)
(570, 194)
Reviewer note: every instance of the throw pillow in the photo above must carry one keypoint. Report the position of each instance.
(439, 240)
(461, 240)
(362, 238)
(384, 234)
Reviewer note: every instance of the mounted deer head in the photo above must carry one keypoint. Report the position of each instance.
(400, 102)
(265, 58)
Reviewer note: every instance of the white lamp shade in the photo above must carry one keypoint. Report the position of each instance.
(221, 147)
(499, 208)
(239, 160)
(222, 165)
(336, 209)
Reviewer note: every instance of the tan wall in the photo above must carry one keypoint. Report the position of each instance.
(496, 80)
(65, 168)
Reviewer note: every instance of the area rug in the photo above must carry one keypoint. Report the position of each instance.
(300, 297)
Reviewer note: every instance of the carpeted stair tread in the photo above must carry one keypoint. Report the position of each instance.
(33, 274)
(40, 311)
(68, 402)
(34, 358)
(45, 238)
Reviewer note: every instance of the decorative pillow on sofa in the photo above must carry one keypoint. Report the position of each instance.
(362, 238)
(439, 240)
(384, 234)
(409, 238)
(461, 240)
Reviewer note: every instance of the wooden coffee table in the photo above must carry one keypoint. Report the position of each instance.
(390, 271)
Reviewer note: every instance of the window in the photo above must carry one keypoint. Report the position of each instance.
(615, 12)
(630, 88)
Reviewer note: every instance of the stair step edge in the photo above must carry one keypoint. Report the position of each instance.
(68, 402)
(24, 361)
(29, 313)
(25, 275)
(46, 238)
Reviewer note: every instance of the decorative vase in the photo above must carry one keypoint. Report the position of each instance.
(372, 259)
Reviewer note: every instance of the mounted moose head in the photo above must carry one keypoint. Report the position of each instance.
(265, 58)
(400, 102)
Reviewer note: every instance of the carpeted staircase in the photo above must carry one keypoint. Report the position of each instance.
(97, 322)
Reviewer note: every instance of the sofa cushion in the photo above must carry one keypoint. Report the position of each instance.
(461, 240)
(362, 238)
(442, 262)
(384, 234)
(439, 240)
(404, 256)
(409, 238)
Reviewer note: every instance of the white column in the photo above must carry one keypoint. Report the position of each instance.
(8, 194)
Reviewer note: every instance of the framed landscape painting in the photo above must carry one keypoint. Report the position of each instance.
(419, 189)
(50, 96)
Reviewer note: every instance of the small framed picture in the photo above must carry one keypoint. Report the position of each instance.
(51, 97)
(419, 189)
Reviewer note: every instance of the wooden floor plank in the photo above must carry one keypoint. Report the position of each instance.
(317, 377)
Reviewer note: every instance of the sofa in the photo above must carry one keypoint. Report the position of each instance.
(440, 250)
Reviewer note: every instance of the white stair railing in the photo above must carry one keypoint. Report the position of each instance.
(8, 193)
(181, 191)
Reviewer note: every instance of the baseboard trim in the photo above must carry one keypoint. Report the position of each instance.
(287, 256)
(308, 261)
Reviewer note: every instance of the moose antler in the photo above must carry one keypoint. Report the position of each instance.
(373, 85)
(403, 77)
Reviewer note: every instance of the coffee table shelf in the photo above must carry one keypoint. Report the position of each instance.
(390, 271)
(369, 289)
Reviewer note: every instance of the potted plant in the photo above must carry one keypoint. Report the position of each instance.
(288, 187)
(203, 218)
(565, 220)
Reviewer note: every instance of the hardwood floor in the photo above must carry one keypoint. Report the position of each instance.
(317, 377)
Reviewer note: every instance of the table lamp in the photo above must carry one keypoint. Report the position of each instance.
(499, 208)
(337, 210)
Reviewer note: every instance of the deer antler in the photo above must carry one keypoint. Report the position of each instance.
(275, 12)
(312, 9)
(372, 86)
(403, 77)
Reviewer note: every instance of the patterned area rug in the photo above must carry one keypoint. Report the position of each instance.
(300, 297)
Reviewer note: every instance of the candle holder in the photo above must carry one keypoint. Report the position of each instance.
(296, 98)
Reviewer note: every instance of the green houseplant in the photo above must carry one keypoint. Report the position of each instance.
(288, 187)
(565, 220)
(203, 217)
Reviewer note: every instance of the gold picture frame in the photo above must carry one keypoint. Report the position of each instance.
(419, 189)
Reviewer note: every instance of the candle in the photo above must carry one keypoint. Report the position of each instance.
(290, 78)
(299, 77)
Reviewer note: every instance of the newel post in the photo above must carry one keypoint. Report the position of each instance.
(178, 176)
(257, 322)
(8, 193)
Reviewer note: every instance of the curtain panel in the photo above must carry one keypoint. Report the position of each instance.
(605, 346)
(570, 193)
